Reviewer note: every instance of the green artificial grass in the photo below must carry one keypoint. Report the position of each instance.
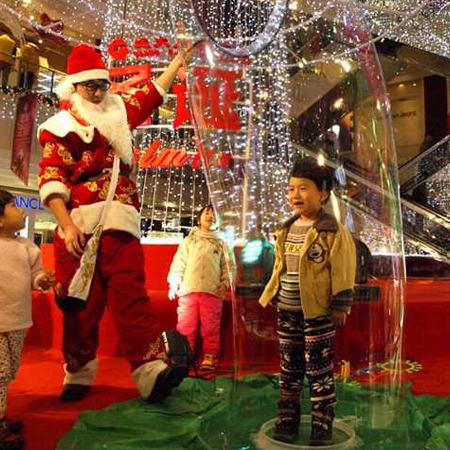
(224, 415)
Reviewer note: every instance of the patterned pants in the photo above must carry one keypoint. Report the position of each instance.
(306, 347)
(11, 343)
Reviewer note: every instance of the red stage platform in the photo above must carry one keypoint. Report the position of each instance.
(34, 394)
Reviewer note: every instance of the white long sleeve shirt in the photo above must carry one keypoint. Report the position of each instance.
(20, 271)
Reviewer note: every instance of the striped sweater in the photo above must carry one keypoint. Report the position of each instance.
(289, 297)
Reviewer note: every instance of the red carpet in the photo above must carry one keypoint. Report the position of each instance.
(34, 394)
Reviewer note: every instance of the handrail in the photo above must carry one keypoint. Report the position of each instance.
(24, 60)
(422, 155)
(408, 233)
(428, 212)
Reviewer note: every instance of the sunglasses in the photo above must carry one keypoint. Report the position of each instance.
(92, 86)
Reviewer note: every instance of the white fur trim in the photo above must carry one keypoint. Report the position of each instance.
(114, 128)
(54, 187)
(84, 376)
(87, 75)
(145, 376)
(65, 89)
(161, 91)
(120, 217)
(63, 123)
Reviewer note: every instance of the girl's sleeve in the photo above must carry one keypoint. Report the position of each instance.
(178, 266)
(37, 269)
(224, 272)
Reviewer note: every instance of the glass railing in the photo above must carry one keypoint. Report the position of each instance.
(29, 75)
(424, 165)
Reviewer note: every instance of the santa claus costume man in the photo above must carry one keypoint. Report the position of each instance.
(80, 144)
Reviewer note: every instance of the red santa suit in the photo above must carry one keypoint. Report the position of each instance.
(77, 160)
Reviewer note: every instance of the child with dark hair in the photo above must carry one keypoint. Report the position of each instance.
(312, 285)
(20, 271)
(199, 276)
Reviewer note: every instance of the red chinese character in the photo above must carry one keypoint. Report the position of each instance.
(140, 74)
(142, 47)
(182, 112)
(221, 114)
(118, 49)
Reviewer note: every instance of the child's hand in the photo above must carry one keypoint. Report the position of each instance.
(338, 317)
(222, 290)
(47, 281)
(173, 291)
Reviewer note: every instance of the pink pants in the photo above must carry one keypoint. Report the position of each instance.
(207, 308)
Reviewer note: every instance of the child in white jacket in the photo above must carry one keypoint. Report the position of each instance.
(199, 276)
(20, 271)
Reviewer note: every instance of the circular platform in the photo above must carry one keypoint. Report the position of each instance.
(344, 437)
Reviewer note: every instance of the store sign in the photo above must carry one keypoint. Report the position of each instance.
(171, 157)
(214, 98)
(118, 48)
(26, 202)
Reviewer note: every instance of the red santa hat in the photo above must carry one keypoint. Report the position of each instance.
(83, 64)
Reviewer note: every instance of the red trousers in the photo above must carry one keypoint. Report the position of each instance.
(119, 282)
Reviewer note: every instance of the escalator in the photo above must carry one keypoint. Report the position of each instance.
(426, 229)
(422, 167)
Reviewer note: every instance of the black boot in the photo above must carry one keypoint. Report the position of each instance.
(14, 426)
(180, 357)
(9, 440)
(322, 427)
(170, 378)
(74, 392)
(177, 349)
(288, 422)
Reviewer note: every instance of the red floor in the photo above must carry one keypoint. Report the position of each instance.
(34, 394)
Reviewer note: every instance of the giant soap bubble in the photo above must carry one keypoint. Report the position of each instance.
(270, 85)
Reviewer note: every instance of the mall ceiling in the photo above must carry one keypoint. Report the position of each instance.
(403, 21)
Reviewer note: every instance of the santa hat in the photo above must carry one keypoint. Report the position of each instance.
(83, 64)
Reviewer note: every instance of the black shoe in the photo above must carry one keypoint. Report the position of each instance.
(9, 440)
(14, 426)
(287, 424)
(285, 435)
(168, 379)
(177, 349)
(321, 428)
(323, 441)
(74, 392)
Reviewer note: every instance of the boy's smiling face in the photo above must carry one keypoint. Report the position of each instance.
(305, 198)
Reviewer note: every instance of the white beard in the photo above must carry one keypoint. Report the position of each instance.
(110, 118)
